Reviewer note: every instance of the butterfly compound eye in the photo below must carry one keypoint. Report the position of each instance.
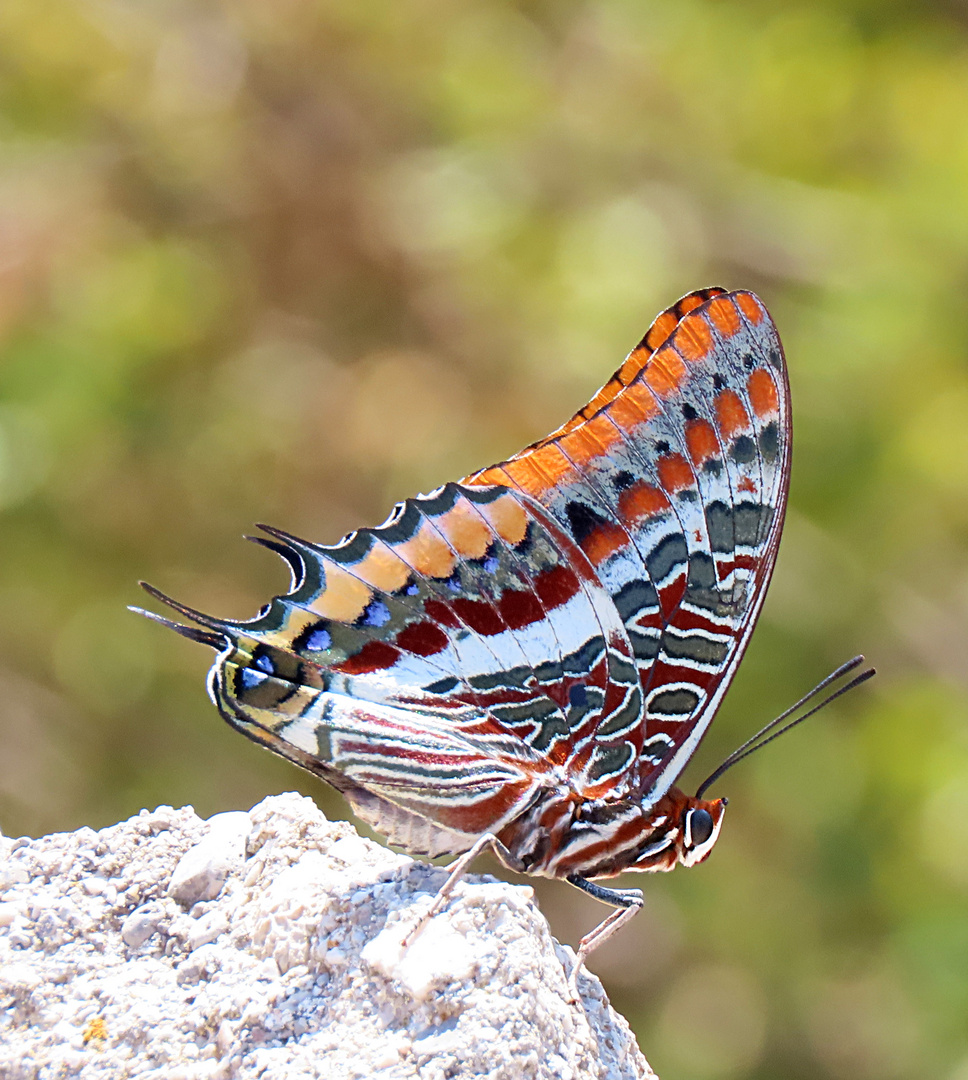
(699, 827)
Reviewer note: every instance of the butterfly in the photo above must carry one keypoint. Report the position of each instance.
(528, 658)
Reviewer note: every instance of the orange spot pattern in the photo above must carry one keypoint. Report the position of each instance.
(724, 315)
(632, 365)
(593, 440)
(701, 441)
(660, 330)
(691, 302)
(344, 596)
(626, 404)
(750, 308)
(521, 473)
(580, 446)
(509, 518)
(466, 530)
(641, 501)
(634, 407)
(665, 371)
(632, 397)
(539, 471)
(675, 473)
(383, 568)
(730, 414)
(694, 338)
(428, 553)
(553, 463)
(762, 391)
(604, 541)
(607, 393)
(493, 475)
(604, 432)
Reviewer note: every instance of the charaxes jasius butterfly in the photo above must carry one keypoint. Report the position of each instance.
(528, 658)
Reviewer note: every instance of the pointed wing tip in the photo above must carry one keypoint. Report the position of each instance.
(158, 595)
(287, 547)
(193, 633)
(217, 636)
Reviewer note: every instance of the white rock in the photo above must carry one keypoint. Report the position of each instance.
(348, 849)
(232, 823)
(296, 972)
(225, 1038)
(140, 925)
(202, 870)
(94, 886)
(438, 955)
(206, 929)
(12, 875)
(20, 977)
(201, 964)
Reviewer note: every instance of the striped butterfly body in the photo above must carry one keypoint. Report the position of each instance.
(529, 657)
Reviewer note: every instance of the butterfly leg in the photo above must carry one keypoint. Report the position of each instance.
(458, 870)
(627, 902)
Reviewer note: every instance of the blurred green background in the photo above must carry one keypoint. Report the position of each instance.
(292, 261)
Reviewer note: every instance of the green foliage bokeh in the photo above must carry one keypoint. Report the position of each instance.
(292, 261)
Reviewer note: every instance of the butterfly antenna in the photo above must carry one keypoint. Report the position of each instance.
(216, 640)
(773, 730)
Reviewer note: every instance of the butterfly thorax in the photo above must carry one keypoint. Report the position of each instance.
(563, 835)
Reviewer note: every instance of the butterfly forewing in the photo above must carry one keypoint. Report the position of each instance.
(674, 487)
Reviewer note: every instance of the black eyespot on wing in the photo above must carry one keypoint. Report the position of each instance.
(442, 686)
(578, 695)
(583, 520)
(743, 450)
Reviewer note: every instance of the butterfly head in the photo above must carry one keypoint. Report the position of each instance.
(680, 829)
(699, 819)
(698, 829)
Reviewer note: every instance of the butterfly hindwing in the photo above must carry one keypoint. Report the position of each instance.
(447, 662)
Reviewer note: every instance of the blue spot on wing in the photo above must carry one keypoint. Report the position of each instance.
(376, 614)
(250, 678)
(319, 640)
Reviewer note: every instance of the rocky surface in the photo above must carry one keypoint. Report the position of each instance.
(267, 945)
